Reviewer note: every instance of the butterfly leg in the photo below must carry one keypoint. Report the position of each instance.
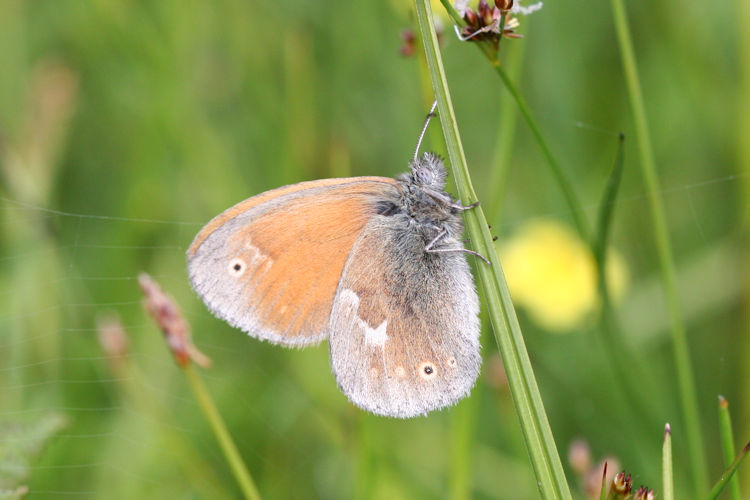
(429, 247)
(458, 206)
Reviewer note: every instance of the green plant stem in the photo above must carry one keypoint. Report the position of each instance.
(576, 209)
(667, 474)
(526, 397)
(685, 380)
(727, 445)
(241, 474)
(728, 474)
(575, 206)
(506, 134)
(198, 472)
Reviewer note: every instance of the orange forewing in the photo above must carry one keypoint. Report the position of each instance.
(250, 203)
(293, 242)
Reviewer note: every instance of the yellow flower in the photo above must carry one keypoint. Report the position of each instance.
(552, 274)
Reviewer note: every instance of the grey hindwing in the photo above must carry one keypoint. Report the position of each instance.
(404, 327)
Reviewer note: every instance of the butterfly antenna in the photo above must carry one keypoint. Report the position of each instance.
(424, 129)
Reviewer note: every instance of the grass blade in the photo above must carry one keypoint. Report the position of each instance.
(607, 207)
(619, 354)
(219, 428)
(533, 419)
(728, 474)
(727, 445)
(667, 474)
(685, 379)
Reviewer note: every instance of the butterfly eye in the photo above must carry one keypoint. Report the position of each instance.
(424, 176)
(427, 370)
(237, 267)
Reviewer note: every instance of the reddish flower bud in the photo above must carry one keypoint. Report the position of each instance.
(504, 5)
(644, 493)
(485, 12)
(622, 484)
(471, 18)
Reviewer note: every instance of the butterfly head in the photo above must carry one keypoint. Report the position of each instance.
(424, 198)
(428, 172)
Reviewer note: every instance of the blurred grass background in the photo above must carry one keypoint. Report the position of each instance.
(125, 126)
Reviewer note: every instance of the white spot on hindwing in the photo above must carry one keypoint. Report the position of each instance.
(373, 336)
(376, 336)
(427, 370)
(237, 267)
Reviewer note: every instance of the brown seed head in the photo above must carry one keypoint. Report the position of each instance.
(169, 319)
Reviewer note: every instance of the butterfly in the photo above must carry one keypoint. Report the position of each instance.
(373, 264)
